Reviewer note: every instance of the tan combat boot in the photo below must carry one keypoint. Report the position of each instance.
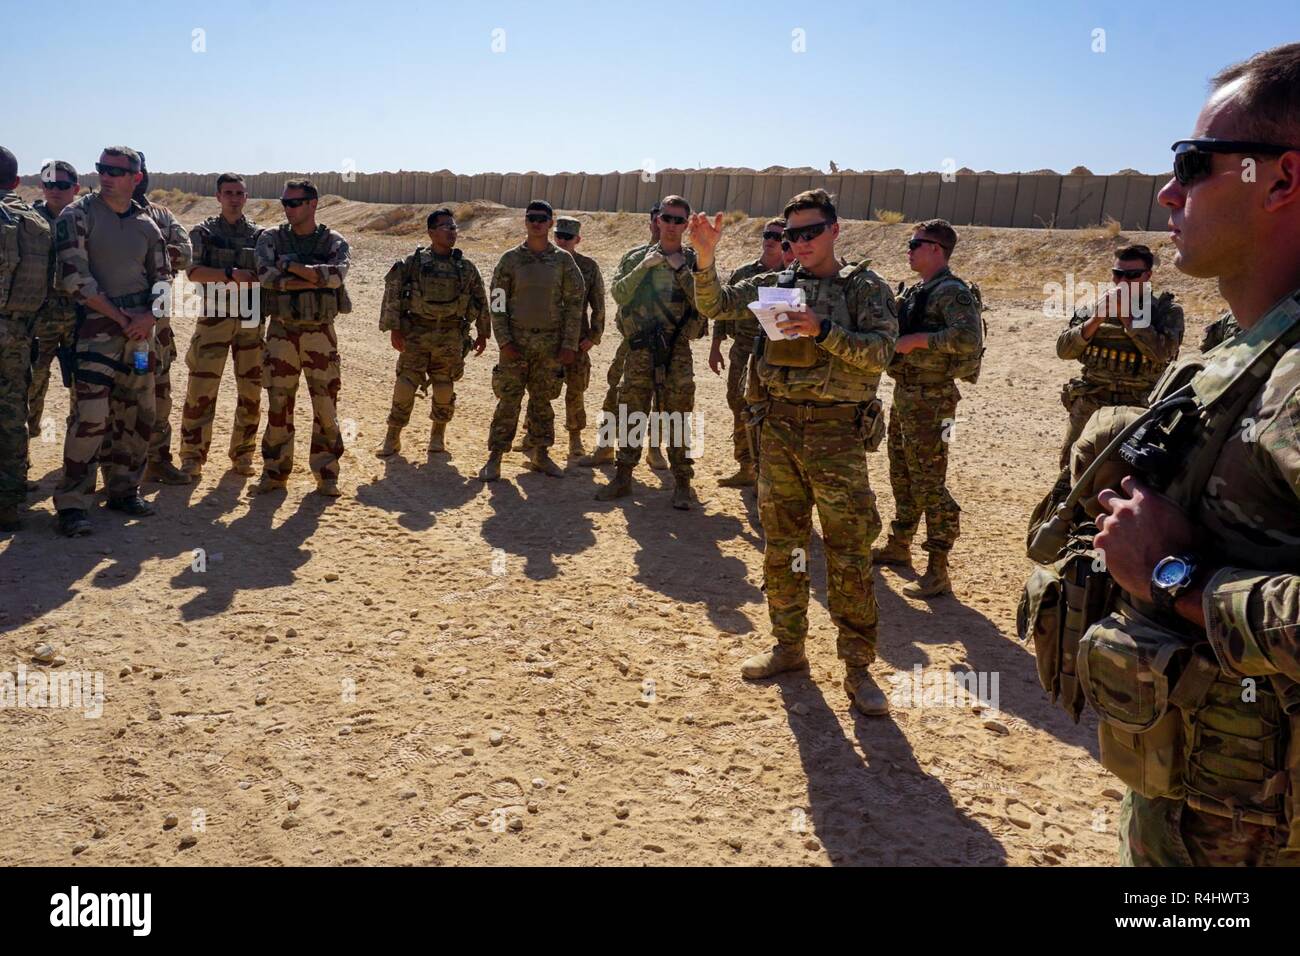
(655, 459)
(862, 690)
(743, 478)
(620, 485)
(894, 551)
(166, 473)
(437, 436)
(575, 443)
(775, 661)
(392, 443)
(243, 465)
(192, 468)
(327, 487)
(540, 460)
(682, 494)
(266, 484)
(603, 455)
(935, 580)
(492, 470)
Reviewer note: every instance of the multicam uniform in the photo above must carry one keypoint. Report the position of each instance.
(821, 406)
(614, 375)
(55, 325)
(217, 244)
(578, 375)
(300, 342)
(743, 329)
(432, 301)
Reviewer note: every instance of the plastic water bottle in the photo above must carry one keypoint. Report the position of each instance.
(137, 356)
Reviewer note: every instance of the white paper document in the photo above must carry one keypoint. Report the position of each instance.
(772, 304)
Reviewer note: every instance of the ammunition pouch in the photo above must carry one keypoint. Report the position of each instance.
(792, 353)
(871, 424)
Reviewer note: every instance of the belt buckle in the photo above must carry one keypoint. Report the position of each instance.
(805, 413)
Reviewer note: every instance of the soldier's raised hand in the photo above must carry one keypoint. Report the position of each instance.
(705, 236)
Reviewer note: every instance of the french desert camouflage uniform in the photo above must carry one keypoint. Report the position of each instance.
(1220, 330)
(24, 286)
(658, 300)
(432, 301)
(811, 450)
(924, 409)
(743, 329)
(540, 312)
(121, 257)
(578, 375)
(1119, 366)
(178, 242)
(218, 244)
(301, 342)
(54, 327)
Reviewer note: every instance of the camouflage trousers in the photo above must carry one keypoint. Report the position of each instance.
(538, 373)
(160, 441)
(304, 351)
(576, 379)
(15, 376)
(919, 425)
(1082, 402)
(824, 464)
(433, 355)
(213, 339)
(112, 417)
(53, 328)
(737, 365)
(1160, 832)
(637, 393)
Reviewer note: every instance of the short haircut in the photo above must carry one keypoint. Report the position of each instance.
(654, 210)
(306, 185)
(8, 167)
(125, 151)
(229, 178)
(778, 222)
(1136, 252)
(539, 205)
(436, 215)
(1269, 96)
(60, 166)
(941, 231)
(675, 201)
(812, 199)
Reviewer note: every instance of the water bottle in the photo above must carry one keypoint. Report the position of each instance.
(137, 355)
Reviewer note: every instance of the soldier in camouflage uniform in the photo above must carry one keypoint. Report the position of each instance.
(941, 339)
(302, 267)
(56, 321)
(179, 258)
(659, 321)
(1123, 351)
(743, 329)
(111, 255)
(821, 407)
(606, 454)
(432, 298)
(1220, 330)
(578, 375)
(24, 286)
(536, 301)
(223, 257)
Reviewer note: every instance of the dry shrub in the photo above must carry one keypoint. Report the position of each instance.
(733, 217)
(1112, 227)
(889, 217)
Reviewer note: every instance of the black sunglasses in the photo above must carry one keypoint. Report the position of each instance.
(774, 236)
(914, 244)
(537, 217)
(1193, 158)
(566, 236)
(1118, 274)
(61, 184)
(670, 218)
(806, 233)
(294, 203)
(113, 172)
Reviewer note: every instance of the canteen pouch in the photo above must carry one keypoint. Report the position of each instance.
(1128, 667)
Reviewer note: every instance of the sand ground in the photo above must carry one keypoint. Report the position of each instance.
(433, 671)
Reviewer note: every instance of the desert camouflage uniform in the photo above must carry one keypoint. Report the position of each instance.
(112, 420)
(55, 325)
(300, 342)
(432, 300)
(1248, 525)
(578, 375)
(924, 412)
(1119, 367)
(219, 245)
(28, 286)
(178, 240)
(540, 313)
(743, 328)
(1220, 330)
(811, 452)
(653, 299)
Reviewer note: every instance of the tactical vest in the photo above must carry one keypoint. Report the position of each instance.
(801, 365)
(434, 286)
(1113, 359)
(914, 315)
(223, 249)
(660, 303)
(24, 256)
(307, 305)
(57, 302)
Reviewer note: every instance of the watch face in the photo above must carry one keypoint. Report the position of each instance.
(1171, 571)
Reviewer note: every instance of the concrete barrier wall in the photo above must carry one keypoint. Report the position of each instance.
(1037, 201)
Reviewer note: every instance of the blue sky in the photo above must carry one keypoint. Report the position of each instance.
(602, 86)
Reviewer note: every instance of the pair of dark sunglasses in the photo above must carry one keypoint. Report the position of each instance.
(805, 233)
(566, 236)
(773, 236)
(670, 218)
(537, 217)
(61, 185)
(449, 226)
(113, 172)
(1194, 158)
(1130, 274)
(294, 203)
(914, 244)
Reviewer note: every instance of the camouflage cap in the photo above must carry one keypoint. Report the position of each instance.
(567, 224)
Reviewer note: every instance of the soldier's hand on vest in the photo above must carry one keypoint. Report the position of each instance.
(803, 322)
(480, 344)
(510, 352)
(911, 342)
(1138, 527)
(396, 337)
(704, 237)
(716, 364)
(652, 258)
(566, 356)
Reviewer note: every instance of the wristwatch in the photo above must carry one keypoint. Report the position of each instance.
(1170, 579)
